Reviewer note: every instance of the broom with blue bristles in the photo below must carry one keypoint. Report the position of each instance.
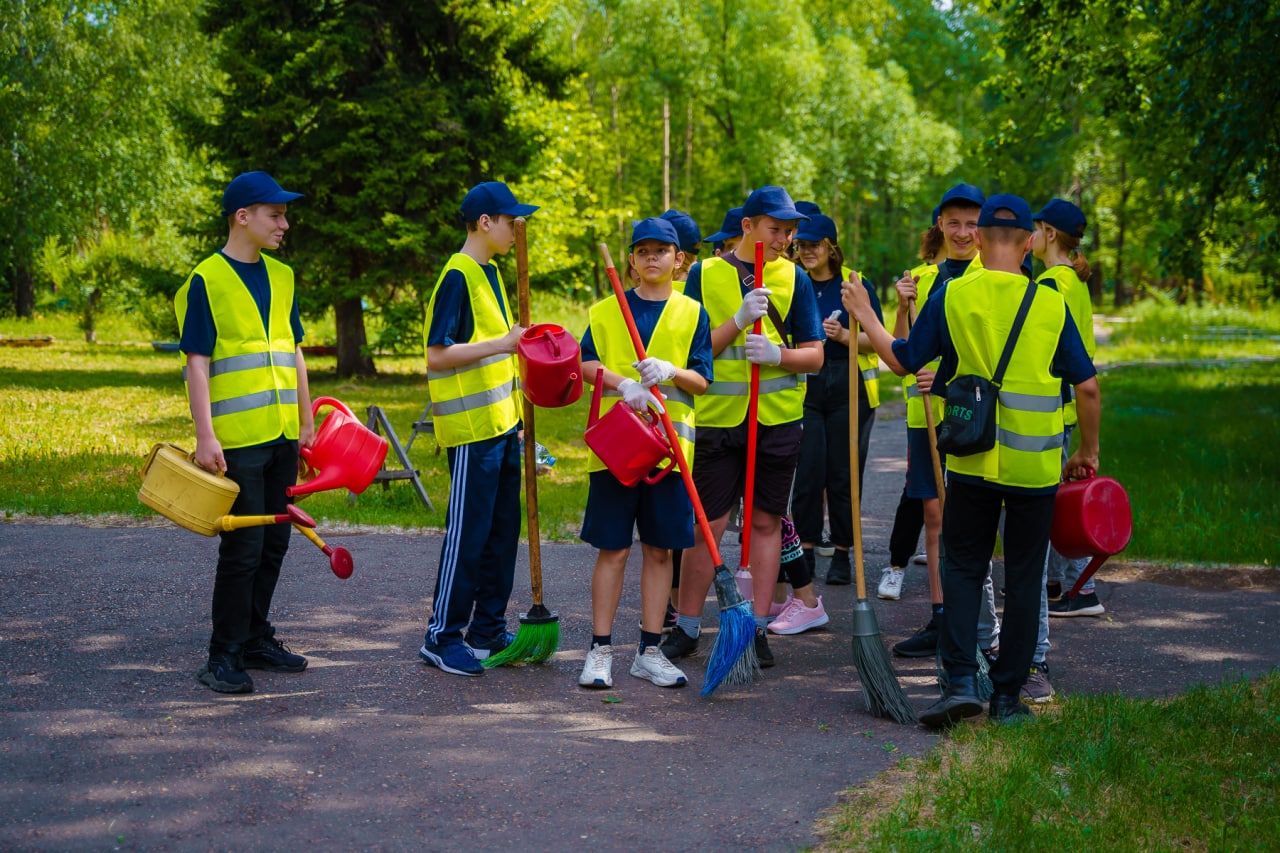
(733, 656)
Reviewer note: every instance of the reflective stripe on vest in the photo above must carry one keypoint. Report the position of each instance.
(474, 401)
(781, 391)
(671, 341)
(980, 310)
(1080, 303)
(253, 376)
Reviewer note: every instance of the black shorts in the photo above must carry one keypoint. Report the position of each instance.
(660, 512)
(720, 467)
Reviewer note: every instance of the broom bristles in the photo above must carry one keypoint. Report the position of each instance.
(733, 655)
(880, 688)
(534, 643)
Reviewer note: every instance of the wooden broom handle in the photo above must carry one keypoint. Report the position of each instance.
(939, 481)
(530, 438)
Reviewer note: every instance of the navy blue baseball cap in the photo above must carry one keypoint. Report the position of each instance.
(808, 208)
(1006, 201)
(690, 234)
(961, 193)
(731, 227)
(937, 211)
(1063, 215)
(771, 201)
(493, 198)
(818, 227)
(654, 228)
(252, 188)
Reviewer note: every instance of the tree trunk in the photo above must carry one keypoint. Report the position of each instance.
(24, 292)
(1122, 216)
(89, 318)
(666, 152)
(348, 315)
(688, 158)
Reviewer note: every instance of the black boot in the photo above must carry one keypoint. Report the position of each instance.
(839, 573)
(1008, 708)
(960, 700)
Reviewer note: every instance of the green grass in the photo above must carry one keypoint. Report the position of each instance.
(1189, 444)
(1197, 772)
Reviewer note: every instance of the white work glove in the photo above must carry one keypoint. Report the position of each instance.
(637, 396)
(761, 350)
(654, 371)
(754, 306)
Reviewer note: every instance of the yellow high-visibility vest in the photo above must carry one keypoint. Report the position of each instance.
(868, 362)
(1076, 294)
(980, 311)
(477, 400)
(671, 341)
(253, 372)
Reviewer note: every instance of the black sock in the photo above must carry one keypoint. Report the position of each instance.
(649, 638)
(601, 640)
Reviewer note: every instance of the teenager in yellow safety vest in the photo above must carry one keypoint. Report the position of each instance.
(676, 336)
(724, 286)
(247, 387)
(470, 337)
(967, 324)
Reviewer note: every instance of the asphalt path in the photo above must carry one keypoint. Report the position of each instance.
(108, 742)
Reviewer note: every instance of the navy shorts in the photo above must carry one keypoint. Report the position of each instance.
(920, 480)
(662, 513)
(720, 467)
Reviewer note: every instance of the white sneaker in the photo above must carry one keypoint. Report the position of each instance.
(653, 666)
(921, 559)
(797, 618)
(891, 583)
(597, 672)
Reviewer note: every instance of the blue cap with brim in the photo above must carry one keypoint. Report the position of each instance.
(966, 194)
(937, 211)
(771, 201)
(1016, 205)
(808, 208)
(731, 227)
(251, 188)
(493, 198)
(686, 228)
(654, 228)
(819, 227)
(1062, 215)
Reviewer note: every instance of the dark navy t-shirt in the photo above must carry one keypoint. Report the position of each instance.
(828, 294)
(646, 313)
(453, 321)
(802, 322)
(198, 331)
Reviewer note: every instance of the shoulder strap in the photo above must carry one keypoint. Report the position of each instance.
(779, 326)
(1018, 321)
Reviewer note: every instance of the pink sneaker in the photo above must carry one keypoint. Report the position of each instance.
(777, 608)
(797, 618)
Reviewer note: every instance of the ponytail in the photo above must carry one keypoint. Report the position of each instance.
(931, 242)
(1071, 245)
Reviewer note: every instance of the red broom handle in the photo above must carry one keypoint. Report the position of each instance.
(699, 514)
(753, 408)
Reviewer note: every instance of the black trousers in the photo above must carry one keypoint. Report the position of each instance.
(249, 559)
(908, 521)
(969, 525)
(824, 463)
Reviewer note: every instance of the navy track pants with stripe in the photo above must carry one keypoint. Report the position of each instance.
(482, 533)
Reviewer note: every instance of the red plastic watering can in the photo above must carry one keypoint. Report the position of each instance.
(550, 366)
(346, 454)
(631, 445)
(1091, 518)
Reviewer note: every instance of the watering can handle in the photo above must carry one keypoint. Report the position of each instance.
(1088, 476)
(330, 401)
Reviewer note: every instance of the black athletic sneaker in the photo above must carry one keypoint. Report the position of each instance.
(678, 645)
(224, 674)
(762, 649)
(921, 644)
(1052, 589)
(270, 654)
(839, 573)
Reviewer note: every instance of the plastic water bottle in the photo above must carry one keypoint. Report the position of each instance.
(543, 456)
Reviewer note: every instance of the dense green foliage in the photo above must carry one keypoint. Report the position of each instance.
(128, 117)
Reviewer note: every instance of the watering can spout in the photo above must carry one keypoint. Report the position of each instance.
(330, 478)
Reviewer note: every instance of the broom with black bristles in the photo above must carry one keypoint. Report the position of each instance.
(737, 635)
(880, 688)
(538, 636)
